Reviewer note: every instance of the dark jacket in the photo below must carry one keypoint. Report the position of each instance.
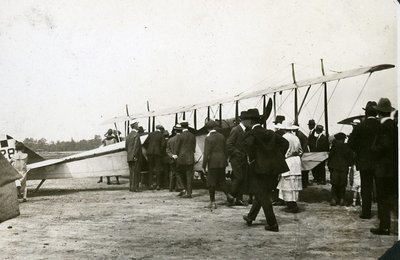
(133, 147)
(385, 148)
(234, 144)
(321, 144)
(340, 157)
(311, 141)
(172, 147)
(267, 149)
(186, 145)
(303, 141)
(155, 143)
(360, 141)
(214, 151)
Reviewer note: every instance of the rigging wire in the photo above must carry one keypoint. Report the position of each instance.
(359, 94)
(316, 106)
(330, 97)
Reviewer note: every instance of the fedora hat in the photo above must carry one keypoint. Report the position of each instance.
(251, 113)
(370, 106)
(184, 124)
(311, 122)
(384, 105)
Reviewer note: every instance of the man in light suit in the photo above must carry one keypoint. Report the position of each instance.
(186, 145)
(133, 147)
(266, 155)
(215, 161)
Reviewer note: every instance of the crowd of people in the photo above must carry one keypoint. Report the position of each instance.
(266, 164)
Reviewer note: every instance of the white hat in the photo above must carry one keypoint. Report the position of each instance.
(286, 125)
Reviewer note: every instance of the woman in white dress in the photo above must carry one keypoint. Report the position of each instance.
(290, 183)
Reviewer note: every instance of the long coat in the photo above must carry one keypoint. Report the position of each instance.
(133, 147)
(340, 157)
(172, 147)
(234, 144)
(360, 141)
(154, 143)
(214, 151)
(186, 145)
(267, 149)
(385, 148)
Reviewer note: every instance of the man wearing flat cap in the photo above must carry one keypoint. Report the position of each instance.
(155, 148)
(237, 158)
(133, 147)
(265, 152)
(214, 161)
(385, 148)
(360, 141)
(186, 146)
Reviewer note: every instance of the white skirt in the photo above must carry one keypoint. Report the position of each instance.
(289, 188)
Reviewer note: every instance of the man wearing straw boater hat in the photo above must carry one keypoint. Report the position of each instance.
(385, 147)
(360, 141)
(266, 156)
(133, 147)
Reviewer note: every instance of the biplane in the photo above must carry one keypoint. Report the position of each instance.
(111, 160)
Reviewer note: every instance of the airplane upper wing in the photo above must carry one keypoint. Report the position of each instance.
(257, 93)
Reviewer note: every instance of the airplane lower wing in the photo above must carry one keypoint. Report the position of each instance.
(310, 160)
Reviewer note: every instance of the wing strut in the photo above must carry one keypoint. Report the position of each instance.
(325, 101)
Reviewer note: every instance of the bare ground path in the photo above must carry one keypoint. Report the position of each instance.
(80, 219)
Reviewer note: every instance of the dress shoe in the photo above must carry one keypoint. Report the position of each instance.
(213, 205)
(240, 203)
(273, 228)
(380, 231)
(362, 216)
(248, 220)
(187, 196)
(333, 202)
(230, 198)
(181, 193)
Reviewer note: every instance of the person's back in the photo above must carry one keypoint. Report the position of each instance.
(186, 148)
(215, 151)
(154, 143)
(19, 160)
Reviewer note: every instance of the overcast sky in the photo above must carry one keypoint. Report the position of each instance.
(66, 66)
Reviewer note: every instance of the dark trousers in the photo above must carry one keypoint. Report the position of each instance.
(174, 181)
(134, 175)
(338, 192)
(185, 173)
(367, 182)
(304, 178)
(155, 168)
(216, 179)
(385, 191)
(238, 171)
(319, 172)
(263, 199)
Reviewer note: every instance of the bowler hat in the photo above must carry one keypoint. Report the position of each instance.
(211, 124)
(370, 106)
(311, 122)
(340, 136)
(384, 105)
(184, 124)
(243, 114)
(279, 119)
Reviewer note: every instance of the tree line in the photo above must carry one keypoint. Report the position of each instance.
(62, 146)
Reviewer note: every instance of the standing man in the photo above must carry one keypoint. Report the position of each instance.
(385, 148)
(133, 147)
(186, 145)
(237, 158)
(172, 152)
(321, 145)
(266, 155)
(214, 161)
(154, 144)
(360, 141)
(304, 146)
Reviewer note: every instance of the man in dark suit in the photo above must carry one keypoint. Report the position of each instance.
(266, 154)
(186, 145)
(133, 147)
(214, 161)
(321, 145)
(385, 148)
(155, 147)
(174, 181)
(237, 158)
(360, 141)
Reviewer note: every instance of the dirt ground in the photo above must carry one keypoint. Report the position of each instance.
(81, 219)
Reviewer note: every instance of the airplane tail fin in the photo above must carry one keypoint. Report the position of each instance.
(7, 148)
